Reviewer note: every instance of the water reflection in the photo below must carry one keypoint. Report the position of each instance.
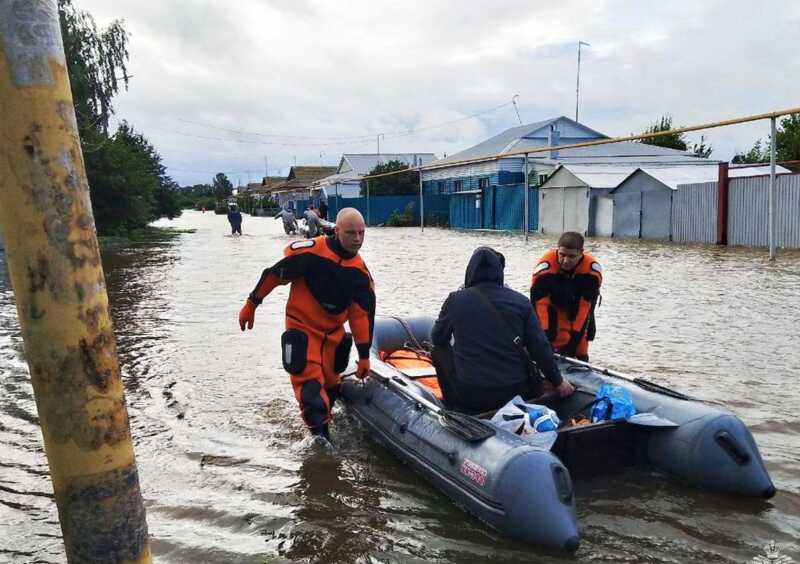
(219, 439)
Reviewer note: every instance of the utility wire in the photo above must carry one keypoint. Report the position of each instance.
(360, 139)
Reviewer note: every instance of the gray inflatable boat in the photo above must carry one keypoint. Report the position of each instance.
(525, 491)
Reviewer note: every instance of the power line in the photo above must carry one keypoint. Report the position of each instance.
(351, 140)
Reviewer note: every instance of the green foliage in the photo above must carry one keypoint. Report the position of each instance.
(402, 219)
(96, 64)
(755, 155)
(206, 203)
(787, 139)
(675, 140)
(701, 149)
(189, 197)
(222, 186)
(128, 184)
(672, 141)
(787, 144)
(391, 185)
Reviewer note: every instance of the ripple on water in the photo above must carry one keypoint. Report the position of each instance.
(234, 479)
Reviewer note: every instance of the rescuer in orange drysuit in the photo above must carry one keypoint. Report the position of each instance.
(330, 284)
(564, 291)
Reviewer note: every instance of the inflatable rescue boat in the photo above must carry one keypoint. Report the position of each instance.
(516, 486)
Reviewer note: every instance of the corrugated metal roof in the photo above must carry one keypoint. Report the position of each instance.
(362, 164)
(359, 165)
(535, 136)
(599, 176)
(673, 176)
(521, 137)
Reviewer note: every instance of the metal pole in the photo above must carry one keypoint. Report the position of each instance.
(525, 221)
(421, 204)
(368, 181)
(772, 189)
(578, 79)
(59, 287)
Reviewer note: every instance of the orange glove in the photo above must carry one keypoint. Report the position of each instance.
(362, 370)
(247, 315)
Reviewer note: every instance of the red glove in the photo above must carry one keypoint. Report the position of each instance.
(247, 315)
(362, 370)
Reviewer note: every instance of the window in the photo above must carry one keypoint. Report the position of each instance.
(458, 185)
(483, 183)
(441, 187)
(542, 179)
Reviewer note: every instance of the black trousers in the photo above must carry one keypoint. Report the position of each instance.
(466, 396)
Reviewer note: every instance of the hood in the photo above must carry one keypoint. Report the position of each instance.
(484, 266)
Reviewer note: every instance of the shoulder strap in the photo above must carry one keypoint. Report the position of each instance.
(516, 339)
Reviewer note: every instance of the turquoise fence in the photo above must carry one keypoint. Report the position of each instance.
(504, 207)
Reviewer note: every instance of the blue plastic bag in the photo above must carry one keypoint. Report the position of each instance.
(614, 402)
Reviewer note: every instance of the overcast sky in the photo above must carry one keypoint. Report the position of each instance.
(224, 85)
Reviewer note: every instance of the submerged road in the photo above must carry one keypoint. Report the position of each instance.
(228, 475)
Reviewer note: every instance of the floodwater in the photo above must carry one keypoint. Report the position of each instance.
(228, 474)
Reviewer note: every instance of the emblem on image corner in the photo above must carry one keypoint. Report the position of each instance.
(772, 555)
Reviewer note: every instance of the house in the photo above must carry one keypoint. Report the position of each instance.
(496, 180)
(346, 181)
(297, 183)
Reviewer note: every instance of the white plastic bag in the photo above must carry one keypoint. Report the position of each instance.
(535, 423)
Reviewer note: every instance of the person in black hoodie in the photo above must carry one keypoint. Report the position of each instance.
(479, 365)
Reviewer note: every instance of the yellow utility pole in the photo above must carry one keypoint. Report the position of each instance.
(54, 262)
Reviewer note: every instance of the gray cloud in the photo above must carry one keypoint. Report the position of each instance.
(345, 69)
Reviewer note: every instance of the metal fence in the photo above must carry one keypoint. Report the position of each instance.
(694, 213)
(504, 207)
(378, 209)
(748, 211)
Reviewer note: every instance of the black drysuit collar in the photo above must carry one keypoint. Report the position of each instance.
(336, 246)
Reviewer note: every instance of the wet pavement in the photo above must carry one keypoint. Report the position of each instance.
(229, 475)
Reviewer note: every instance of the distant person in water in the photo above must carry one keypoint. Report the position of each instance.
(314, 228)
(235, 219)
(289, 220)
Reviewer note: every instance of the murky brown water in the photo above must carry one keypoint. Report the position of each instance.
(228, 477)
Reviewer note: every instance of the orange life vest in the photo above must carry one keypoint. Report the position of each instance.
(327, 290)
(564, 302)
(417, 365)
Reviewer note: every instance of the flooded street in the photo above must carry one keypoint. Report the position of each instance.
(228, 477)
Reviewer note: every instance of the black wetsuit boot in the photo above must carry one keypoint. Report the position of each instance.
(322, 431)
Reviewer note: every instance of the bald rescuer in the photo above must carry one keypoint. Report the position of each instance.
(564, 291)
(330, 284)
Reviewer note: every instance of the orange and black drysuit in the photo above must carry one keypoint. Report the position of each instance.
(565, 301)
(328, 287)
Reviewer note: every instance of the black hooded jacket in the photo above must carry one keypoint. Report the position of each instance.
(484, 354)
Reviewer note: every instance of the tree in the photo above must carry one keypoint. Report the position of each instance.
(222, 187)
(702, 150)
(675, 140)
(787, 144)
(96, 62)
(128, 183)
(672, 141)
(391, 185)
(787, 139)
(754, 155)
